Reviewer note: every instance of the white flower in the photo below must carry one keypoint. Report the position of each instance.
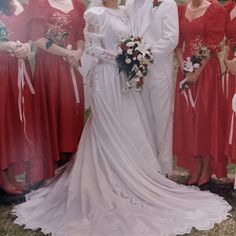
(131, 83)
(196, 65)
(139, 73)
(135, 68)
(188, 65)
(143, 48)
(139, 57)
(142, 67)
(128, 61)
(130, 51)
(130, 44)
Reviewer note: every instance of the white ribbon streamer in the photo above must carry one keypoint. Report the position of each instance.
(23, 78)
(235, 179)
(75, 85)
(189, 98)
(232, 119)
(231, 129)
(73, 78)
(227, 84)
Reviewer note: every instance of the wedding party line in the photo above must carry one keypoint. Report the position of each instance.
(110, 175)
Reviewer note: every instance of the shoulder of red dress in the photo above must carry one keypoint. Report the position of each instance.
(214, 9)
(181, 9)
(228, 6)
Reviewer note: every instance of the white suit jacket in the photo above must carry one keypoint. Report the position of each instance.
(159, 28)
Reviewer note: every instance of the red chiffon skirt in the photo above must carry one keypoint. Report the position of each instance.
(16, 137)
(200, 131)
(59, 120)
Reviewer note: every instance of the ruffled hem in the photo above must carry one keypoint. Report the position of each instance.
(197, 219)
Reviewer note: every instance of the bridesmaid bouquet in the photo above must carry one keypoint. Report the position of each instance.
(133, 59)
(57, 33)
(192, 63)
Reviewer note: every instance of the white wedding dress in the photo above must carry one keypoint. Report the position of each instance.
(113, 186)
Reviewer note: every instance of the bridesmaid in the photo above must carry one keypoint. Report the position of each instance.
(199, 124)
(230, 85)
(56, 28)
(15, 97)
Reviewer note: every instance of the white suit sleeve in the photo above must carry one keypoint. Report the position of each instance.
(166, 45)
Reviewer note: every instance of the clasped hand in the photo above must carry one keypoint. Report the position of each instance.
(73, 58)
(20, 50)
(192, 77)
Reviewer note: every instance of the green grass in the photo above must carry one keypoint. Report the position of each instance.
(7, 228)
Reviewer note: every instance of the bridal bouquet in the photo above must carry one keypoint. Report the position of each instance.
(133, 59)
(201, 52)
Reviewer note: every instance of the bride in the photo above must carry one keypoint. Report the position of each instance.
(113, 186)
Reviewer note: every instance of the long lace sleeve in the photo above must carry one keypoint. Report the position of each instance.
(95, 19)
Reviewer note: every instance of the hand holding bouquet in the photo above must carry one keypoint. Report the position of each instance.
(191, 64)
(133, 59)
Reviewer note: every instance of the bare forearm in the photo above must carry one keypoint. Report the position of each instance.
(179, 57)
(7, 46)
(80, 45)
(226, 56)
(199, 70)
(53, 49)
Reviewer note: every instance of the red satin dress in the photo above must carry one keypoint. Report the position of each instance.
(58, 117)
(16, 135)
(199, 119)
(230, 86)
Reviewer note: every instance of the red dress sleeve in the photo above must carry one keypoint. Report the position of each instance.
(80, 7)
(181, 12)
(215, 26)
(228, 6)
(37, 20)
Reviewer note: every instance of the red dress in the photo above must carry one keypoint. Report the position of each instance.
(59, 119)
(200, 130)
(15, 149)
(230, 86)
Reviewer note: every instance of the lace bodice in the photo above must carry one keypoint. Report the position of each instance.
(104, 29)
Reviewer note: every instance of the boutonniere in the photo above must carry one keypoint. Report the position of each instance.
(156, 3)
